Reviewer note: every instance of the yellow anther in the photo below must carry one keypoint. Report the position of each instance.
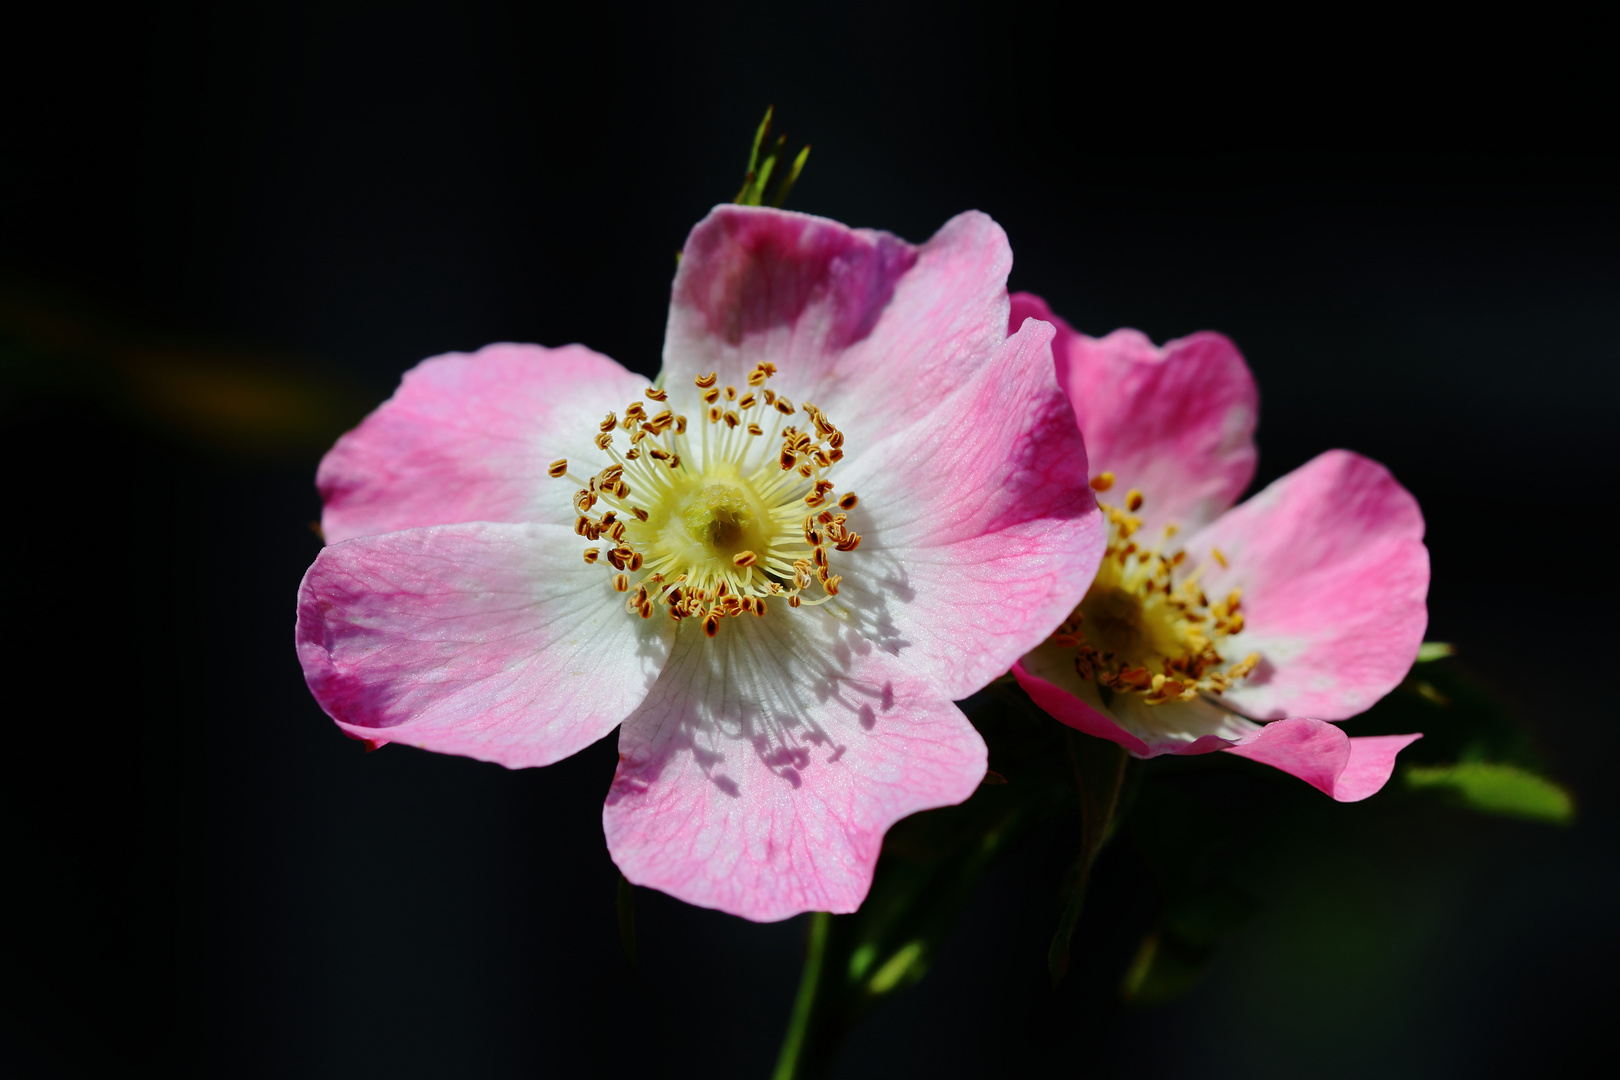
(557, 468)
(1102, 481)
(1215, 553)
(722, 528)
(1148, 633)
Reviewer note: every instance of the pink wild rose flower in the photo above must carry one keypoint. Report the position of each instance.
(1306, 604)
(852, 498)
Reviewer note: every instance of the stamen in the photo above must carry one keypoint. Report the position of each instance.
(716, 537)
(1145, 632)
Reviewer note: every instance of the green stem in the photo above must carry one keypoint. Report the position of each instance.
(1099, 776)
(793, 1043)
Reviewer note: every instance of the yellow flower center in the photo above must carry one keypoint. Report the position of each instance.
(712, 530)
(1139, 630)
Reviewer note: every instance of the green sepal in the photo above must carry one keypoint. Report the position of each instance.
(763, 159)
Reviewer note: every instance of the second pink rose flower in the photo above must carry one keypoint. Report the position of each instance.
(1302, 606)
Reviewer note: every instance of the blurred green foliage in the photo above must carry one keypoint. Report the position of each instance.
(1473, 753)
(1496, 788)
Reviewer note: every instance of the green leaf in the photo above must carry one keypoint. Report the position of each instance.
(1460, 720)
(1431, 651)
(1496, 788)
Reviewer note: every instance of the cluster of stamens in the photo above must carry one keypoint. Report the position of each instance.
(1139, 630)
(711, 531)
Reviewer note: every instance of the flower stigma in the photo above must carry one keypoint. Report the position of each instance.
(1138, 630)
(716, 527)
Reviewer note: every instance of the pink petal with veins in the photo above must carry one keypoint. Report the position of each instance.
(492, 641)
(866, 326)
(980, 533)
(1174, 421)
(468, 437)
(762, 771)
(1349, 769)
(1334, 579)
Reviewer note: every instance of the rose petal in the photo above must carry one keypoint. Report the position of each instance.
(1176, 422)
(863, 324)
(1334, 575)
(468, 437)
(979, 533)
(1047, 675)
(1325, 757)
(762, 771)
(1348, 769)
(492, 641)
(1182, 727)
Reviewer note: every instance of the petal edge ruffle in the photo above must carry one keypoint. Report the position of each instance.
(761, 773)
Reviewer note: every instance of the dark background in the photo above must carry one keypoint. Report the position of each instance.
(225, 232)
